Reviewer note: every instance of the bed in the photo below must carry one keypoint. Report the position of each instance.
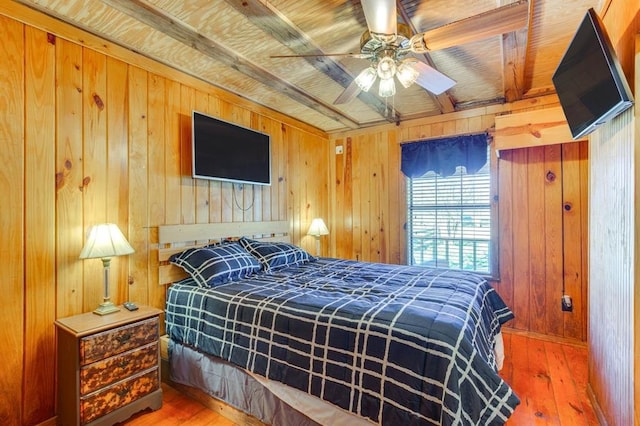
(304, 340)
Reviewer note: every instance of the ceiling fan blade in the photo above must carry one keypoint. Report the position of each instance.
(494, 22)
(347, 94)
(381, 16)
(311, 55)
(432, 79)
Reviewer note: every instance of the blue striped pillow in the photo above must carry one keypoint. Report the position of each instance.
(218, 264)
(274, 255)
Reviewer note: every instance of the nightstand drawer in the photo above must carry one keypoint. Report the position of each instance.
(110, 370)
(109, 399)
(103, 345)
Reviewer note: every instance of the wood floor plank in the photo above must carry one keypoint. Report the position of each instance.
(542, 370)
(566, 394)
(577, 359)
(521, 381)
(178, 409)
(543, 396)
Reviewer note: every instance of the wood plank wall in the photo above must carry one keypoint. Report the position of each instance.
(12, 223)
(543, 237)
(612, 274)
(614, 321)
(88, 138)
(368, 212)
(368, 197)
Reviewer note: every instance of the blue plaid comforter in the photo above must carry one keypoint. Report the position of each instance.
(399, 345)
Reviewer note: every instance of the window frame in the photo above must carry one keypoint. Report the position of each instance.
(494, 246)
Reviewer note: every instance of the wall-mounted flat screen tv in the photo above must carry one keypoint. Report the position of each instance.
(228, 152)
(589, 80)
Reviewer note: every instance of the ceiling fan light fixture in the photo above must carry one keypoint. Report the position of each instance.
(407, 74)
(366, 78)
(417, 44)
(386, 68)
(387, 87)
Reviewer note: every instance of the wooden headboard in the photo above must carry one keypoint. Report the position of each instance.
(176, 238)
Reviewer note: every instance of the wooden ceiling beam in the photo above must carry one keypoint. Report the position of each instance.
(514, 46)
(444, 100)
(510, 17)
(514, 52)
(160, 21)
(270, 20)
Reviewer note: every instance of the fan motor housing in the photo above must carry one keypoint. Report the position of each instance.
(375, 46)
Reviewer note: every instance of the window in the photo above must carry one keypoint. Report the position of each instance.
(449, 223)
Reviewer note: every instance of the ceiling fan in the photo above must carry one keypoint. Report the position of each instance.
(389, 46)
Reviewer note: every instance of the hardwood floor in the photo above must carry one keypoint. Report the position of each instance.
(550, 379)
(178, 409)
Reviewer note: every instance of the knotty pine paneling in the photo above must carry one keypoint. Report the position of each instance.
(12, 221)
(519, 210)
(542, 250)
(89, 138)
(137, 231)
(542, 246)
(94, 161)
(575, 187)
(117, 209)
(69, 178)
(553, 240)
(39, 217)
(368, 196)
(156, 93)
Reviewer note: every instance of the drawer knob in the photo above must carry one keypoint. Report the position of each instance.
(125, 337)
(123, 392)
(123, 363)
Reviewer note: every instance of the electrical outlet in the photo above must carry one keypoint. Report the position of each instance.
(567, 303)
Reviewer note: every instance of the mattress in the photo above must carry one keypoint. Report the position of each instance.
(388, 343)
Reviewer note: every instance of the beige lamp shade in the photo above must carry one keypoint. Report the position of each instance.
(318, 228)
(105, 240)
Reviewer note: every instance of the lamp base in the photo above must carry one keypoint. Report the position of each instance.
(106, 308)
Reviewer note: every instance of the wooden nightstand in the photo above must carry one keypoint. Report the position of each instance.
(108, 366)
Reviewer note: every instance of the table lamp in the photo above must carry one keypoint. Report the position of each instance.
(104, 242)
(316, 229)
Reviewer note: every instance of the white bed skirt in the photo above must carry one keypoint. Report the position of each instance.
(498, 350)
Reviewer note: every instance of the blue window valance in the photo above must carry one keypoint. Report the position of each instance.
(444, 155)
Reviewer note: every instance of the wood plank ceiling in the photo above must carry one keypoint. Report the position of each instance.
(231, 44)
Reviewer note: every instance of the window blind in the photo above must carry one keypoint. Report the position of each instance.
(449, 223)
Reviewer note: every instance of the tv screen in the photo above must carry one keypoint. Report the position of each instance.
(589, 80)
(228, 152)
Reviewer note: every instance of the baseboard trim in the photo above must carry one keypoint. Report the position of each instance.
(545, 337)
(596, 407)
(53, 421)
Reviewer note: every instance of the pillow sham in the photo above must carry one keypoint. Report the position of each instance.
(274, 255)
(218, 264)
